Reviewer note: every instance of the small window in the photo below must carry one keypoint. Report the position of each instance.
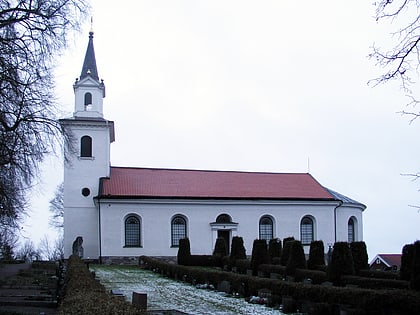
(132, 231)
(178, 230)
(88, 99)
(378, 261)
(224, 218)
(266, 228)
(86, 146)
(306, 231)
(350, 231)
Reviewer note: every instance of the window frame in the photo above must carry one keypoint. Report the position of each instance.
(134, 235)
(86, 146)
(307, 230)
(262, 228)
(351, 230)
(177, 232)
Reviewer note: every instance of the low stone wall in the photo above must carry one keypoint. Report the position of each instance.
(133, 260)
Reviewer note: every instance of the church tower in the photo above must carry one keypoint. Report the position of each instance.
(87, 159)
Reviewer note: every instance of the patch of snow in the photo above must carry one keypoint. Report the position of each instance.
(164, 293)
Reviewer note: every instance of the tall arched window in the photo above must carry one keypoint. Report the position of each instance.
(86, 146)
(178, 230)
(88, 99)
(266, 228)
(306, 230)
(351, 235)
(132, 231)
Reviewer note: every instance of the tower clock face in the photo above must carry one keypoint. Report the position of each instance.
(86, 192)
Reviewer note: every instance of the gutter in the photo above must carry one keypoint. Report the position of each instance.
(335, 219)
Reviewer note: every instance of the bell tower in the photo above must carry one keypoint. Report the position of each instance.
(87, 159)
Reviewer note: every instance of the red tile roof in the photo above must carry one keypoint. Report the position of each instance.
(164, 183)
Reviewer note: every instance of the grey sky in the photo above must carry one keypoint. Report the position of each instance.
(255, 86)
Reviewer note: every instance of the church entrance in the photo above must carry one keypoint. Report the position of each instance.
(226, 235)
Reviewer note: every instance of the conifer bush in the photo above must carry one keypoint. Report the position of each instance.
(415, 272)
(220, 248)
(237, 249)
(316, 255)
(286, 250)
(341, 263)
(360, 256)
(259, 255)
(297, 258)
(407, 262)
(274, 248)
(184, 252)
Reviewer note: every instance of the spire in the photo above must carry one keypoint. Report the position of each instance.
(89, 64)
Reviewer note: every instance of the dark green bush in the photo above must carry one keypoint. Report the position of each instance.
(341, 263)
(274, 248)
(184, 252)
(415, 273)
(378, 274)
(372, 283)
(286, 250)
(407, 262)
(84, 295)
(360, 256)
(296, 258)
(237, 248)
(267, 269)
(205, 261)
(242, 265)
(316, 255)
(259, 255)
(220, 248)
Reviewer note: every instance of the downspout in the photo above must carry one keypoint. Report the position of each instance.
(340, 203)
(100, 231)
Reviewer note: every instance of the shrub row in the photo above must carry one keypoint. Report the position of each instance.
(370, 301)
(84, 295)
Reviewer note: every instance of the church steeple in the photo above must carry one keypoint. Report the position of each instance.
(89, 64)
(88, 89)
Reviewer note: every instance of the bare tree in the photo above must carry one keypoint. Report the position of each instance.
(28, 252)
(8, 244)
(401, 61)
(32, 33)
(57, 208)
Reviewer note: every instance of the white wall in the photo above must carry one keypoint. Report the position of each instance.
(156, 223)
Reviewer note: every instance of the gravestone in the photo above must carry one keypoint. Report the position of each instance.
(140, 300)
(224, 286)
(77, 247)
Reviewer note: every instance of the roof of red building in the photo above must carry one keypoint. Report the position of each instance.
(125, 182)
(389, 259)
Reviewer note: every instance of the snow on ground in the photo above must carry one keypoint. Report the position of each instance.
(164, 293)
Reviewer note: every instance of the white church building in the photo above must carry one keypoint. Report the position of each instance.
(126, 212)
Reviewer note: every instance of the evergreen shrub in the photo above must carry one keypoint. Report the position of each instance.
(407, 262)
(316, 255)
(237, 249)
(360, 256)
(184, 252)
(341, 263)
(415, 271)
(296, 258)
(286, 250)
(259, 255)
(274, 248)
(220, 248)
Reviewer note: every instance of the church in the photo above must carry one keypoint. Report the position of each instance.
(120, 213)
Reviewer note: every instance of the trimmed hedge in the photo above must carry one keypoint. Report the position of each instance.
(316, 255)
(341, 263)
(259, 255)
(393, 301)
(237, 249)
(360, 255)
(184, 251)
(415, 272)
(274, 248)
(220, 248)
(407, 261)
(84, 295)
(296, 258)
(378, 274)
(286, 250)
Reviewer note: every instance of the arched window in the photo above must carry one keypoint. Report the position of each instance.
(88, 99)
(178, 230)
(132, 231)
(306, 230)
(86, 146)
(266, 228)
(224, 218)
(351, 235)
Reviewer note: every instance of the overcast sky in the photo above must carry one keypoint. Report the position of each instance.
(277, 86)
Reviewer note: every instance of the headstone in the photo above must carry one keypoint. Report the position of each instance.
(140, 300)
(224, 286)
(264, 293)
(77, 247)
